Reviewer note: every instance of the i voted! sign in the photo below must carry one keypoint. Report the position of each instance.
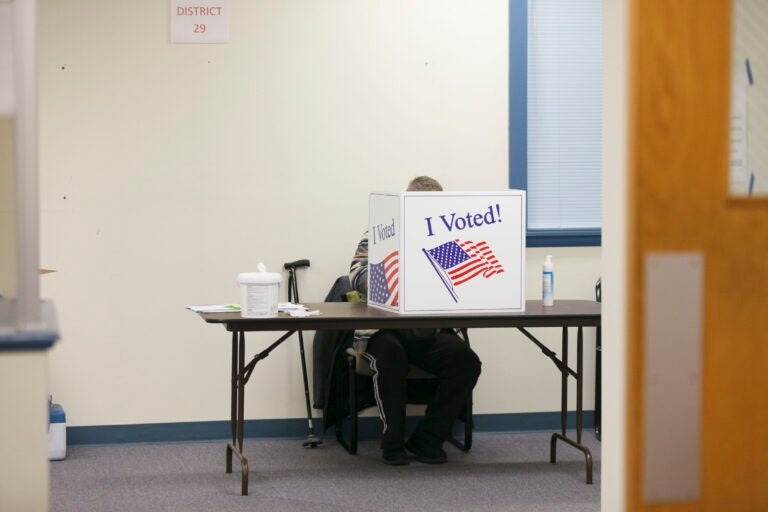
(443, 252)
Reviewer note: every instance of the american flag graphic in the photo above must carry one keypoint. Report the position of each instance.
(462, 261)
(384, 284)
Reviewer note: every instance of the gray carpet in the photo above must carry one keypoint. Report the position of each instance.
(502, 472)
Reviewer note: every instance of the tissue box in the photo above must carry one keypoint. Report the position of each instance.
(57, 433)
(445, 252)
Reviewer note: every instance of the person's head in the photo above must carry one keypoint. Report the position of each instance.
(424, 184)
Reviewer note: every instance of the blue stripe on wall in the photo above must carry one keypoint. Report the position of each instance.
(369, 428)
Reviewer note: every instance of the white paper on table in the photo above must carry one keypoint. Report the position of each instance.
(215, 308)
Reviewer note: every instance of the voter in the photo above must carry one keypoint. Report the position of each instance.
(389, 353)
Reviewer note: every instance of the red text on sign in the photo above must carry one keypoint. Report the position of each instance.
(198, 11)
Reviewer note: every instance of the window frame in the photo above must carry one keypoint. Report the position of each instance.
(518, 134)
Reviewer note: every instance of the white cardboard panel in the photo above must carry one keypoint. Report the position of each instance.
(443, 252)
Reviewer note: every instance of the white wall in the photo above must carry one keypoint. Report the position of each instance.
(615, 107)
(168, 169)
(24, 478)
(7, 209)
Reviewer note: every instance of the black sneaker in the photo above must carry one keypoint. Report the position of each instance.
(425, 452)
(396, 457)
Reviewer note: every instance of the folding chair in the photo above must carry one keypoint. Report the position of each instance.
(358, 366)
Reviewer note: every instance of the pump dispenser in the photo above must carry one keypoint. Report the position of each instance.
(548, 283)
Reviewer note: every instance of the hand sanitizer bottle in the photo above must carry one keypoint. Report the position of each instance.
(548, 283)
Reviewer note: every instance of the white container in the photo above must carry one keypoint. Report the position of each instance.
(446, 252)
(57, 433)
(259, 293)
(548, 282)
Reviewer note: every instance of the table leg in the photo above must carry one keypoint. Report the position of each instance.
(579, 406)
(564, 384)
(233, 402)
(236, 421)
(563, 399)
(579, 381)
(598, 383)
(241, 390)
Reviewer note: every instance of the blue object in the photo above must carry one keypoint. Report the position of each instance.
(57, 414)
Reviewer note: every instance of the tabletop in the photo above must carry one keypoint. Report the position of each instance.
(358, 315)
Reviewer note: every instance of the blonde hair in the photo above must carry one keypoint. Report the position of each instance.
(424, 184)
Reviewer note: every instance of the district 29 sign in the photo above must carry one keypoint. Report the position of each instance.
(443, 252)
(199, 21)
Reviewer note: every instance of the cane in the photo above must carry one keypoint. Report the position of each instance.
(293, 296)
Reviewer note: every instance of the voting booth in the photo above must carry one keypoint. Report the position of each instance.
(444, 252)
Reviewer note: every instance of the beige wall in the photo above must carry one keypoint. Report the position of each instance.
(168, 169)
(7, 209)
(615, 51)
(23, 431)
(23, 374)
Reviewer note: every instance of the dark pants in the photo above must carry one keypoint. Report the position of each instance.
(446, 356)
